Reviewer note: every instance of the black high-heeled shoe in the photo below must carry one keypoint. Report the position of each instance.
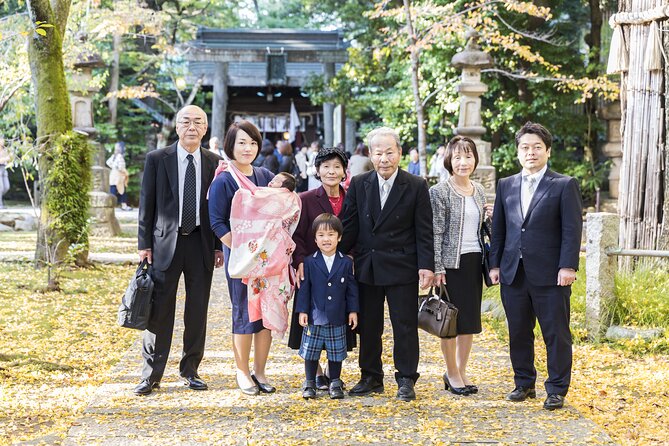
(472, 388)
(464, 391)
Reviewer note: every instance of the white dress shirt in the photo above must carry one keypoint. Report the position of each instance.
(329, 260)
(525, 194)
(182, 163)
(390, 181)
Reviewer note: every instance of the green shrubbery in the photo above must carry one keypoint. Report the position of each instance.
(642, 301)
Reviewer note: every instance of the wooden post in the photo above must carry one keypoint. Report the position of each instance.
(600, 268)
(328, 109)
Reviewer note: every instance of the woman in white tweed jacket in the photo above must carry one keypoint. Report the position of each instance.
(459, 211)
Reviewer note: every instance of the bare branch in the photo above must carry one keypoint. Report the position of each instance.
(539, 37)
(7, 95)
(195, 89)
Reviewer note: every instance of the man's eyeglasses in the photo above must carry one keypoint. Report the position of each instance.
(187, 123)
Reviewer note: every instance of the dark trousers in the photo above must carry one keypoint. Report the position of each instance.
(524, 304)
(403, 308)
(121, 198)
(189, 260)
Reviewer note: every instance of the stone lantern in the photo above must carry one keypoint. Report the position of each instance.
(612, 147)
(102, 203)
(472, 60)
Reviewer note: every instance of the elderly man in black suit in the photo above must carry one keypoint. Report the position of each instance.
(176, 238)
(387, 220)
(536, 238)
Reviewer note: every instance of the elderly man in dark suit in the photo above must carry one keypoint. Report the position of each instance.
(536, 239)
(176, 238)
(387, 220)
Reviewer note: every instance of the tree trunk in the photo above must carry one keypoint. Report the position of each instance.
(52, 109)
(113, 82)
(414, 54)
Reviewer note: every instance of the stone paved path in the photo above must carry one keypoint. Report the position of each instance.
(175, 415)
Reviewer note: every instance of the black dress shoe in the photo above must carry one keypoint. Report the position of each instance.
(146, 387)
(309, 390)
(263, 387)
(521, 393)
(405, 390)
(336, 389)
(554, 401)
(472, 388)
(464, 391)
(366, 386)
(251, 391)
(194, 382)
(322, 382)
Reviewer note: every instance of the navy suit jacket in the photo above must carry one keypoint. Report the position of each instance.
(333, 294)
(549, 237)
(158, 221)
(390, 244)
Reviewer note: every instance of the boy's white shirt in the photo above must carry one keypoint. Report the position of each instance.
(329, 260)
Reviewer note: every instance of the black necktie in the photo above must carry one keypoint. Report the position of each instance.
(188, 215)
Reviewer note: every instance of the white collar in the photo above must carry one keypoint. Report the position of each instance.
(537, 175)
(183, 153)
(390, 180)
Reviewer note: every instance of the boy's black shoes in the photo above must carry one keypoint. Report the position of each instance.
(336, 389)
(309, 390)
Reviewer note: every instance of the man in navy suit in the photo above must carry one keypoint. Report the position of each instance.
(536, 239)
(387, 220)
(175, 236)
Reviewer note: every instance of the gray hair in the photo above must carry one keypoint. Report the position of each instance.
(191, 107)
(383, 131)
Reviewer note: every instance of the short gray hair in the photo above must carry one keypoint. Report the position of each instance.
(384, 131)
(191, 107)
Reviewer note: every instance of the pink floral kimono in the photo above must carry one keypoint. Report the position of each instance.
(262, 222)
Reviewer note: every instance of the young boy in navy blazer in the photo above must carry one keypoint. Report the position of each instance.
(326, 302)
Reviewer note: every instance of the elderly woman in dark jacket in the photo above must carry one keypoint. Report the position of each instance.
(459, 211)
(330, 166)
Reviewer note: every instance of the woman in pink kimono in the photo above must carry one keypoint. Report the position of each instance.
(241, 147)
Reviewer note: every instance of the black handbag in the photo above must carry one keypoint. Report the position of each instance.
(135, 308)
(485, 265)
(438, 316)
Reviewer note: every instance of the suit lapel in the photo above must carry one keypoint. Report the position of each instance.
(323, 200)
(336, 265)
(206, 175)
(394, 196)
(373, 199)
(515, 203)
(320, 263)
(544, 185)
(172, 170)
